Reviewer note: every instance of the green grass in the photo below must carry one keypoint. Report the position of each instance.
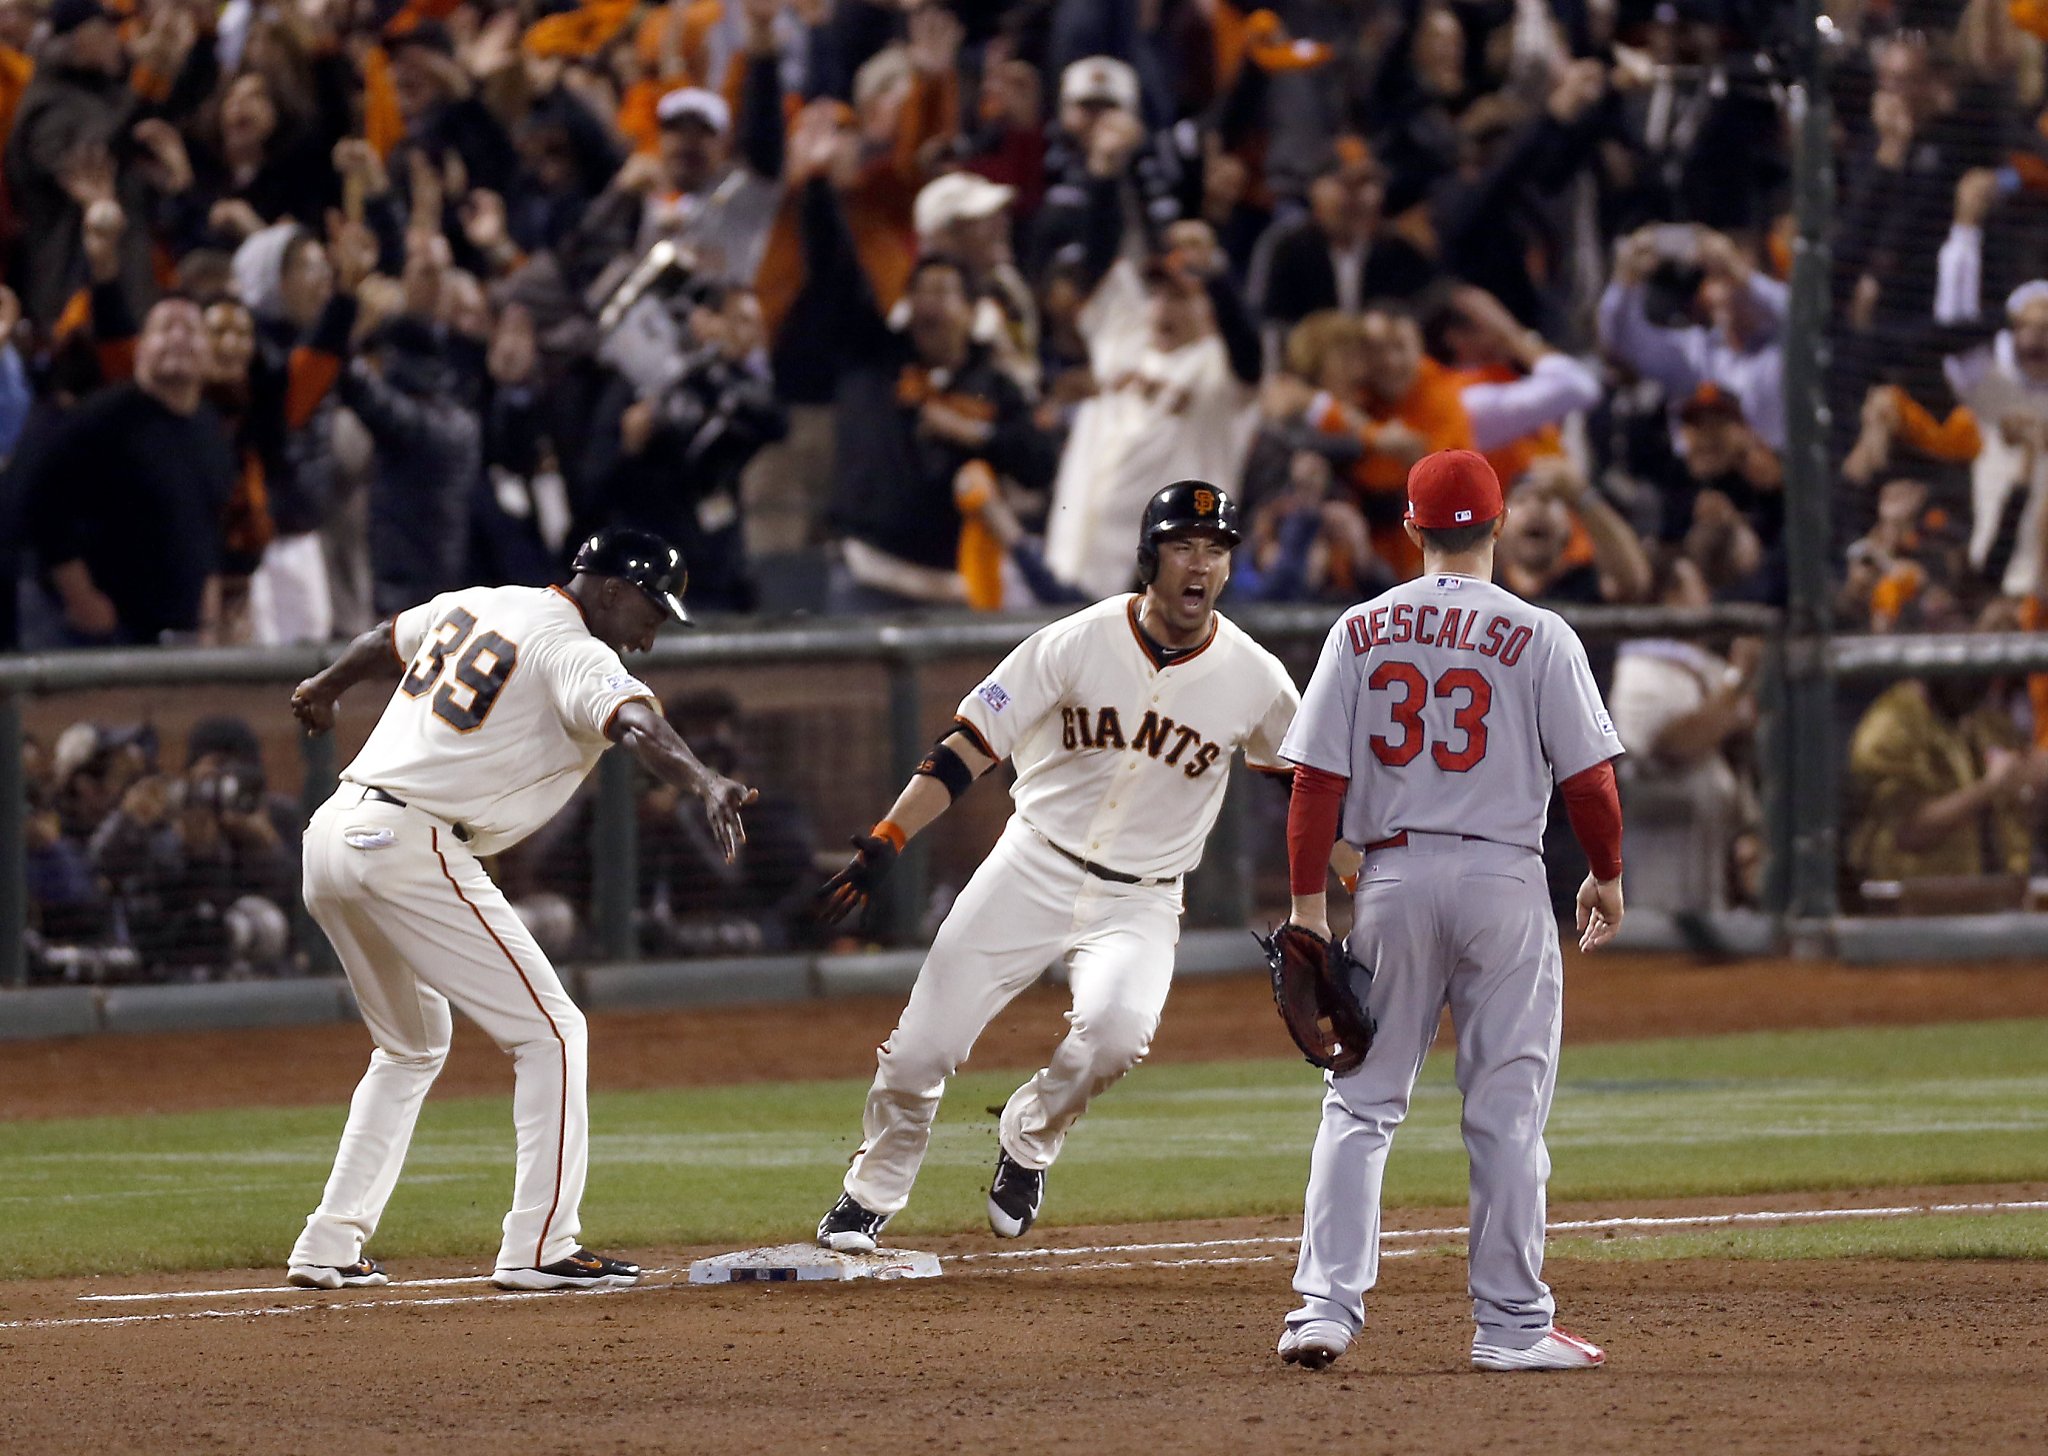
(1950, 1236)
(1725, 1115)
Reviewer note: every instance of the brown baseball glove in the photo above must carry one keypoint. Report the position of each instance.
(1313, 987)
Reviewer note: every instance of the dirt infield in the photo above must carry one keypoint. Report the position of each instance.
(1607, 998)
(1167, 1352)
(1126, 1346)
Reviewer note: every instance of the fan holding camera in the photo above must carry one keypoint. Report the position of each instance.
(1685, 308)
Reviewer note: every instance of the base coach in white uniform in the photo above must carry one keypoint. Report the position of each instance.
(1121, 720)
(510, 695)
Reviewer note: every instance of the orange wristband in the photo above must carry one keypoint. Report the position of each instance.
(889, 830)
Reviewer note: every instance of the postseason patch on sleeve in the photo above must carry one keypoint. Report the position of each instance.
(627, 684)
(1606, 723)
(992, 693)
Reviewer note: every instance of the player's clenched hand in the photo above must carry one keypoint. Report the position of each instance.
(723, 799)
(851, 889)
(313, 706)
(1599, 912)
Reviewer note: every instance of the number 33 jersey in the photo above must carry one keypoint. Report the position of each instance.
(502, 711)
(1451, 705)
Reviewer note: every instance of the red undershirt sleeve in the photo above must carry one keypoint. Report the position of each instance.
(1312, 818)
(1593, 805)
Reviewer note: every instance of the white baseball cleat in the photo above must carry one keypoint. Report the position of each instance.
(365, 1273)
(1313, 1345)
(1558, 1350)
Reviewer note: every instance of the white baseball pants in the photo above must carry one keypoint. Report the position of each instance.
(1027, 906)
(419, 925)
(1465, 923)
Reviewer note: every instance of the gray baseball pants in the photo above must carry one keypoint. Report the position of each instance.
(1445, 920)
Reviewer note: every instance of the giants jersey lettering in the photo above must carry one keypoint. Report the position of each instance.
(502, 711)
(1119, 760)
(1451, 705)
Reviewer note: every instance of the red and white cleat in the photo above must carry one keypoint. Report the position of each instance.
(1558, 1350)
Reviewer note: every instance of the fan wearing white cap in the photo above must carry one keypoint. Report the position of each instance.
(695, 195)
(966, 217)
(1101, 113)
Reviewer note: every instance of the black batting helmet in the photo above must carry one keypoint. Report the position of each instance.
(642, 559)
(1185, 507)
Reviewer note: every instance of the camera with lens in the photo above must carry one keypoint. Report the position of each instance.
(235, 790)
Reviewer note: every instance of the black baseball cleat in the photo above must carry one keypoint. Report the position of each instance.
(365, 1273)
(581, 1270)
(1013, 1197)
(848, 1228)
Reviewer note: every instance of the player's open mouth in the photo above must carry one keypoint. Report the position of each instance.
(1194, 594)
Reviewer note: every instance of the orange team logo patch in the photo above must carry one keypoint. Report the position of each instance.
(1205, 502)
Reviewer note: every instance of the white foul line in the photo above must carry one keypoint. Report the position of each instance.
(311, 1304)
(1582, 1225)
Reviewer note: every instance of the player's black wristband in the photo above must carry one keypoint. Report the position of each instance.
(943, 764)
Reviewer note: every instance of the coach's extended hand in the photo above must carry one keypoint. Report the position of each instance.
(723, 799)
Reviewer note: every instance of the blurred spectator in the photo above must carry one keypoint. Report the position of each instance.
(1680, 708)
(303, 298)
(1339, 255)
(1541, 557)
(1381, 405)
(1100, 139)
(138, 557)
(1943, 784)
(198, 873)
(1723, 500)
(1517, 390)
(674, 461)
(411, 395)
(65, 901)
(1176, 359)
(1307, 542)
(689, 900)
(967, 218)
(73, 144)
(916, 406)
(1665, 276)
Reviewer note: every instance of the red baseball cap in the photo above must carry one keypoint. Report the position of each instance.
(1452, 488)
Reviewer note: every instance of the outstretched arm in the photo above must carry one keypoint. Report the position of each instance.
(372, 655)
(648, 736)
(946, 773)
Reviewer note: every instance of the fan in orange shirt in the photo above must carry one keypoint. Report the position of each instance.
(1386, 403)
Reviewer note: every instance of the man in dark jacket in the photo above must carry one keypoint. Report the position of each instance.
(410, 398)
(1339, 255)
(916, 406)
(671, 463)
(70, 136)
(125, 503)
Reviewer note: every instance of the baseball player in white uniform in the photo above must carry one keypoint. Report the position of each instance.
(1121, 720)
(509, 697)
(1436, 721)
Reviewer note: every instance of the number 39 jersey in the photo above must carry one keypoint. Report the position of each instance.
(502, 711)
(1451, 705)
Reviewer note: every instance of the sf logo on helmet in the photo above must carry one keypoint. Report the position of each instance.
(1205, 502)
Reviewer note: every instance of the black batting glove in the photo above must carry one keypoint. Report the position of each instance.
(853, 887)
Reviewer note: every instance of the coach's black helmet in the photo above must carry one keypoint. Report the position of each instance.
(1184, 508)
(643, 559)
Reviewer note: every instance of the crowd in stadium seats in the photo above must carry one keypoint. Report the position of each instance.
(319, 307)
